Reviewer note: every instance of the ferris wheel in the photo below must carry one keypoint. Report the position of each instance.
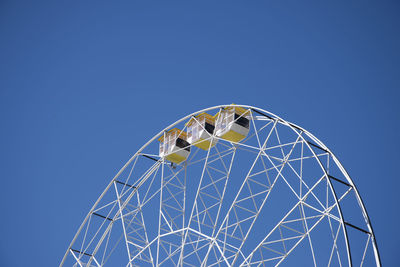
(230, 185)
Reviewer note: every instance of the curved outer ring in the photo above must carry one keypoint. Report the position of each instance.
(293, 127)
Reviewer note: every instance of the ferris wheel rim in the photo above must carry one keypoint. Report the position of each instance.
(272, 116)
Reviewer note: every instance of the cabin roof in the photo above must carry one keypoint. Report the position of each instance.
(200, 115)
(179, 132)
(238, 109)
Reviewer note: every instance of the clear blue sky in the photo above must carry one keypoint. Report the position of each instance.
(84, 84)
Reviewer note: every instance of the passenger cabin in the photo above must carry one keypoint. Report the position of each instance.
(174, 146)
(200, 130)
(232, 123)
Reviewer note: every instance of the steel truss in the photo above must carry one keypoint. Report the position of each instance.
(278, 197)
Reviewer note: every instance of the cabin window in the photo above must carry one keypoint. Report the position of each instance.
(194, 131)
(242, 121)
(183, 144)
(225, 117)
(209, 128)
(170, 143)
(161, 148)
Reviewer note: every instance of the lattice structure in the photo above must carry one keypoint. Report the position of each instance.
(277, 197)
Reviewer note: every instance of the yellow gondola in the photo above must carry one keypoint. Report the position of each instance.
(232, 123)
(174, 146)
(200, 130)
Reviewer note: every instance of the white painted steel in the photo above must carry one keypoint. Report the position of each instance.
(216, 232)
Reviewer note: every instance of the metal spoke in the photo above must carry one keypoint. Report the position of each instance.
(260, 201)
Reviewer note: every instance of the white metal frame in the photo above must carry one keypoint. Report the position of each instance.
(216, 232)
